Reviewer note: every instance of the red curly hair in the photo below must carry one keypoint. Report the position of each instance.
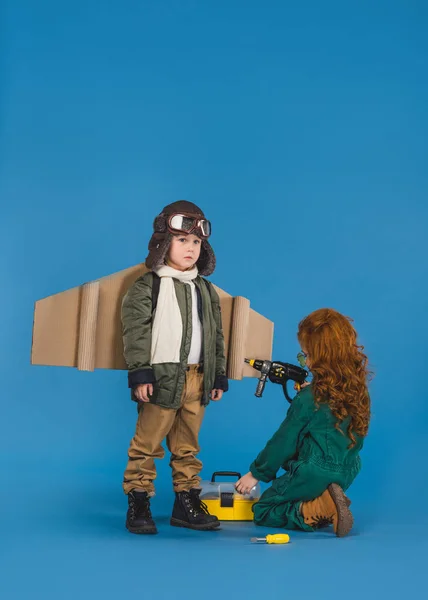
(339, 368)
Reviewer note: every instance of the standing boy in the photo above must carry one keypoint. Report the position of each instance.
(174, 350)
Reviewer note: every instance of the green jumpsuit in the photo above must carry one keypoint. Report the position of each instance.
(313, 453)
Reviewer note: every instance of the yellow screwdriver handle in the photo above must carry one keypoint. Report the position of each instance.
(278, 538)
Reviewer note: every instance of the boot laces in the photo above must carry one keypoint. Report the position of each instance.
(139, 507)
(196, 505)
(320, 521)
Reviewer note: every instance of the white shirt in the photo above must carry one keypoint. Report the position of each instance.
(196, 343)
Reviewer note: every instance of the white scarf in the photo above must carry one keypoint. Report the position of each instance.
(167, 329)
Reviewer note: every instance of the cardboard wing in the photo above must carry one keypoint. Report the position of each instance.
(82, 328)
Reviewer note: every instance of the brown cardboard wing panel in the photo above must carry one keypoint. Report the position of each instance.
(82, 328)
(88, 326)
(61, 320)
(250, 337)
(56, 329)
(238, 337)
(259, 341)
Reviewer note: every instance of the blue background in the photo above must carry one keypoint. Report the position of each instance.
(301, 130)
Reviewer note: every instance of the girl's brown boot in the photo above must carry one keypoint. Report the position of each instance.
(331, 508)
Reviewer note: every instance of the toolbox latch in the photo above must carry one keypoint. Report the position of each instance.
(226, 499)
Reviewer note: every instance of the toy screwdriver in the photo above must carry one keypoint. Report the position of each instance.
(275, 538)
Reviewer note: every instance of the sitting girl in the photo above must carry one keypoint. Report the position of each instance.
(319, 442)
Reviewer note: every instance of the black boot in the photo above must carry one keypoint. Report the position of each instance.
(139, 518)
(189, 511)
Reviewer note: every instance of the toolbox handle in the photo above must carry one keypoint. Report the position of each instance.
(225, 474)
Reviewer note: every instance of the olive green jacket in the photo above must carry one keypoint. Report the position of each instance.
(168, 378)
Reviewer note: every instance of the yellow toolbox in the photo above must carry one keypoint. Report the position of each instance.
(225, 502)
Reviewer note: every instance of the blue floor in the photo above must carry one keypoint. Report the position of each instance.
(68, 540)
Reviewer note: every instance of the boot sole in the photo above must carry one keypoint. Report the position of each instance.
(142, 530)
(210, 527)
(345, 520)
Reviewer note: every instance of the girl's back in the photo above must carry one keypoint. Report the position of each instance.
(324, 440)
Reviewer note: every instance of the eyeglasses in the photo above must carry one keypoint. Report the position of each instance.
(180, 223)
(301, 357)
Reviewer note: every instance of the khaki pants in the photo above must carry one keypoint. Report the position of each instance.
(181, 429)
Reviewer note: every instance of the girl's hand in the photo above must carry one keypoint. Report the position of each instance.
(246, 483)
(300, 386)
(216, 395)
(143, 391)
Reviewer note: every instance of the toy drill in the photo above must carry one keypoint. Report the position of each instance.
(278, 372)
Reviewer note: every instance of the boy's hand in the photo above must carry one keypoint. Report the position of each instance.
(216, 395)
(246, 483)
(143, 391)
